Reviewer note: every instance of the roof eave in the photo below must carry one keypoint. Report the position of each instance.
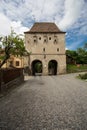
(42, 32)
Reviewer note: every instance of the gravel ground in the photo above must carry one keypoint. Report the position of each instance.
(46, 103)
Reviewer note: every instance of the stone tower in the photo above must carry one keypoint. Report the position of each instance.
(46, 43)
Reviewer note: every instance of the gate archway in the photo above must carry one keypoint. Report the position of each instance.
(36, 67)
(52, 67)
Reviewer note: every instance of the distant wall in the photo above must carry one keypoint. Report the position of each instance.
(10, 78)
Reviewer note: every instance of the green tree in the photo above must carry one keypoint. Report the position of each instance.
(12, 45)
(73, 54)
(82, 56)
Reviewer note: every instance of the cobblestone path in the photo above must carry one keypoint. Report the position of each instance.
(46, 103)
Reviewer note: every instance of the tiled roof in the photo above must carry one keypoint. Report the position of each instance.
(44, 28)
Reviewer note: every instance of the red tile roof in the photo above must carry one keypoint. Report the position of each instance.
(44, 28)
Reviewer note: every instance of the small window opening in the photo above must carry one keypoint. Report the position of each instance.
(39, 38)
(10, 63)
(35, 41)
(55, 41)
(45, 40)
(44, 49)
(57, 49)
(17, 63)
(49, 38)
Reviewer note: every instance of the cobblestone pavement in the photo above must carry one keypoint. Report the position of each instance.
(46, 103)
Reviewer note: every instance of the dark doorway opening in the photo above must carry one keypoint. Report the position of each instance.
(52, 67)
(36, 67)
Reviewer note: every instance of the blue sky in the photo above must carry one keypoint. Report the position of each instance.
(69, 15)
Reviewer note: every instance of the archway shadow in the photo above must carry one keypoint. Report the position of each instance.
(37, 67)
(52, 67)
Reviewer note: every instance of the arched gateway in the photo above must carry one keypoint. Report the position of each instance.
(52, 67)
(36, 67)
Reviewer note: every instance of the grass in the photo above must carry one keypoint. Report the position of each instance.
(76, 68)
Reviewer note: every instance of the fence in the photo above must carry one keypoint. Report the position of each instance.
(10, 77)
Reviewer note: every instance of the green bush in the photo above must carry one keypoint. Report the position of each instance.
(83, 76)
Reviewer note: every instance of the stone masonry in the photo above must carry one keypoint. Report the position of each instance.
(46, 42)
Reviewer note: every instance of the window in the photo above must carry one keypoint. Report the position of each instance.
(39, 38)
(57, 49)
(35, 39)
(17, 63)
(10, 63)
(55, 40)
(44, 56)
(45, 39)
(49, 38)
(44, 49)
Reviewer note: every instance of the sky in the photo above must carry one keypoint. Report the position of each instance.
(69, 15)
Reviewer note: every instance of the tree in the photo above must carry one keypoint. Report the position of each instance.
(12, 45)
(73, 54)
(82, 56)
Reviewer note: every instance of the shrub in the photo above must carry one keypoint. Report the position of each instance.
(83, 76)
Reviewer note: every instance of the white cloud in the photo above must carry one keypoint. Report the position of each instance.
(6, 24)
(18, 27)
(72, 12)
(21, 14)
(39, 10)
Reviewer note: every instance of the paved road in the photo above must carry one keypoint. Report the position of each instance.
(46, 103)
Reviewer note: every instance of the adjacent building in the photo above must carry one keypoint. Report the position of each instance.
(13, 61)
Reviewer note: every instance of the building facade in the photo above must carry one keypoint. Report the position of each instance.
(46, 44)
(13, 61)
